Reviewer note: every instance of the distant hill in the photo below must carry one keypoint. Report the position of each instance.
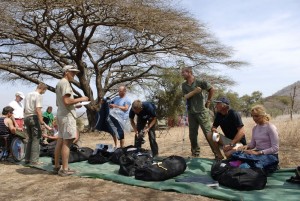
(280, 102)
(287, 91)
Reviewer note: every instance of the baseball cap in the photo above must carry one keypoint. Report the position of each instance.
(20, 94)
(222, 100)
(70, 68)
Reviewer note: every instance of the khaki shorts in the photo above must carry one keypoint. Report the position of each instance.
(67, 127)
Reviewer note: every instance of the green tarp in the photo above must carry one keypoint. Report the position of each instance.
(277, 188)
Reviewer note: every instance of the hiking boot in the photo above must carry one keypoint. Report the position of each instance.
(65, 173)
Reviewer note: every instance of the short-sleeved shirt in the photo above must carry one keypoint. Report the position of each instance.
(195, 104)
(32, 101)
(48, 118)
(122, 102)
(148, 111)
(63, 88)
(229, 124)
(18, 109)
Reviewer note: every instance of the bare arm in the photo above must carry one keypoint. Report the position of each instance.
(240, 134)
(192, 93)
(123, 108)
(133, 126)
(151, 124)
(11, 126)
(71, 101)
(209, 97)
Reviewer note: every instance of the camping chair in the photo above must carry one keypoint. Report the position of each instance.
(162, 127)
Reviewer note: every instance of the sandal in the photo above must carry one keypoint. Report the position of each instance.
(65, 173)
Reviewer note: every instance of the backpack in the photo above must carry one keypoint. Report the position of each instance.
(101, 156)
(133, 159)
(238, 178)
(171, 166)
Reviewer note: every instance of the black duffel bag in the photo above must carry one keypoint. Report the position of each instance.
(171, 166)
(78, 154)
(101, 156)
(238, 178)
(132, 160)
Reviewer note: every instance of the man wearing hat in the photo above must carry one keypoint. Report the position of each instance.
(18, 116)
(231, 124)
(66, 119)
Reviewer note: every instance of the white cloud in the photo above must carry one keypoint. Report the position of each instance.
(262, 32)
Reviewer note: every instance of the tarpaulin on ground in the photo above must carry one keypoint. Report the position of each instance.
(276, 189)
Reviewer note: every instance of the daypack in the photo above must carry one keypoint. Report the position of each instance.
(171, 166)
(238, 178)
(101, 156)
(133, 159)
(116, 155)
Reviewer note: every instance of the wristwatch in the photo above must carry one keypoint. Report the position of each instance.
(232, 145)
(261, 152)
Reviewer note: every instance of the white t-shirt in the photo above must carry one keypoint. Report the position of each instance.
(18, 109)
(32, 101)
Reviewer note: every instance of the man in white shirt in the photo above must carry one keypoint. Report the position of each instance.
(33, 121)
(18, 116)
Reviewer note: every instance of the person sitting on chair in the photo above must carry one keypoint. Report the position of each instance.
(7, 126)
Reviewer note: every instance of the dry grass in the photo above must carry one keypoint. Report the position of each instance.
(288, 135)
(177, 141)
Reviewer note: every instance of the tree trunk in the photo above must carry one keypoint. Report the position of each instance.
(91, 115)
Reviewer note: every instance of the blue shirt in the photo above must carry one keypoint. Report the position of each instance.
(122, 102)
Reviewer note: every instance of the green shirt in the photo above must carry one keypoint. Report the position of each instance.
(195, 104)
(49, 116)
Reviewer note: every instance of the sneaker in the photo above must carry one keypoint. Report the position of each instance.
(65, 173)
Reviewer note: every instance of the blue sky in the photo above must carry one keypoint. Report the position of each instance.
(264, 33)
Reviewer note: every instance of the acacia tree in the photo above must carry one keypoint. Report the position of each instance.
(110, 41)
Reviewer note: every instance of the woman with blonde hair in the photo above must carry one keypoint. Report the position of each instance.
(264, 145)
(265, 138)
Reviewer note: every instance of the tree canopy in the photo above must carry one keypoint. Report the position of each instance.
(111, 42)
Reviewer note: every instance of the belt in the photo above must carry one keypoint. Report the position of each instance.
(18, 118)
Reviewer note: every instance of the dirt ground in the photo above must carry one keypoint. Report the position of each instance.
(24, 183)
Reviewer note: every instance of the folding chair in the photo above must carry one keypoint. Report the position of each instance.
(162, 127)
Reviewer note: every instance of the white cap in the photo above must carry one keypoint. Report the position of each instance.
(20, 94)
(70, 68)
